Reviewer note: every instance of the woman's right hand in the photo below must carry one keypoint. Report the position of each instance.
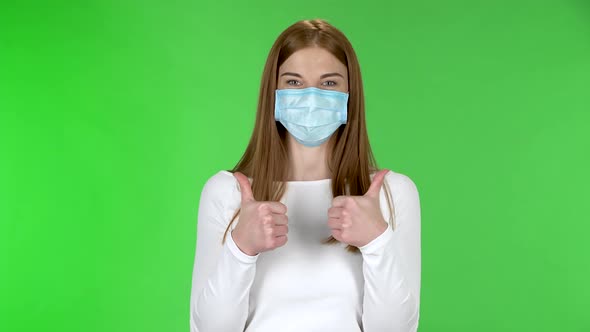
(262, 225)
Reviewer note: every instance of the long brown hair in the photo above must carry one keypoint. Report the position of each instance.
(350, 159)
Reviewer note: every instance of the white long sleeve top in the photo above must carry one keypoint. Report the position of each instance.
(305, 285)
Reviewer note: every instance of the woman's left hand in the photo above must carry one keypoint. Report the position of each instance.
(357, 220)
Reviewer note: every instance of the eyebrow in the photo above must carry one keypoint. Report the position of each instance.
(323, 76)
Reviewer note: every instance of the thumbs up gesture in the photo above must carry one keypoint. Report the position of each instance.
(357, 220)
(262, 225)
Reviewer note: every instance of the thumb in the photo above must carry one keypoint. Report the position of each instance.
(377, 183)
(245, 187)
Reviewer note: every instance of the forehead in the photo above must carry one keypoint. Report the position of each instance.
(313, 59)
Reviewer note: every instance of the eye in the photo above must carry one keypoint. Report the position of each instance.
(293, 82)
(329, 83)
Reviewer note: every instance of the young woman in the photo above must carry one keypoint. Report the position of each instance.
(304, 233)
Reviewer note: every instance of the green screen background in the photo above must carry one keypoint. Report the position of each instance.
(113, 114)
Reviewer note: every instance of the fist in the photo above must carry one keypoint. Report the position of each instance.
(262, 225)
(357, 220)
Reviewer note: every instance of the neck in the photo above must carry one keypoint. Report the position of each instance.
(307, 163)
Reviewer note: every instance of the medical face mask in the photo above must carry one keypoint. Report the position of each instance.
(311, 115)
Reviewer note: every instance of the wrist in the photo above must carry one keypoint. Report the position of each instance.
(240, 246)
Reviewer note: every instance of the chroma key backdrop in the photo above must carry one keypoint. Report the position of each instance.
(113, 114)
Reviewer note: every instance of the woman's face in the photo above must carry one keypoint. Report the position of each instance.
(313, 67)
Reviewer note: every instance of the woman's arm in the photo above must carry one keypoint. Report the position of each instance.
(222, 274)
(391, 265)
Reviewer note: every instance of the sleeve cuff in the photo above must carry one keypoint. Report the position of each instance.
(376, 246)
(239, 254)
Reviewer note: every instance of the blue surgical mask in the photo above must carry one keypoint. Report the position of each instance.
(311, 115)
